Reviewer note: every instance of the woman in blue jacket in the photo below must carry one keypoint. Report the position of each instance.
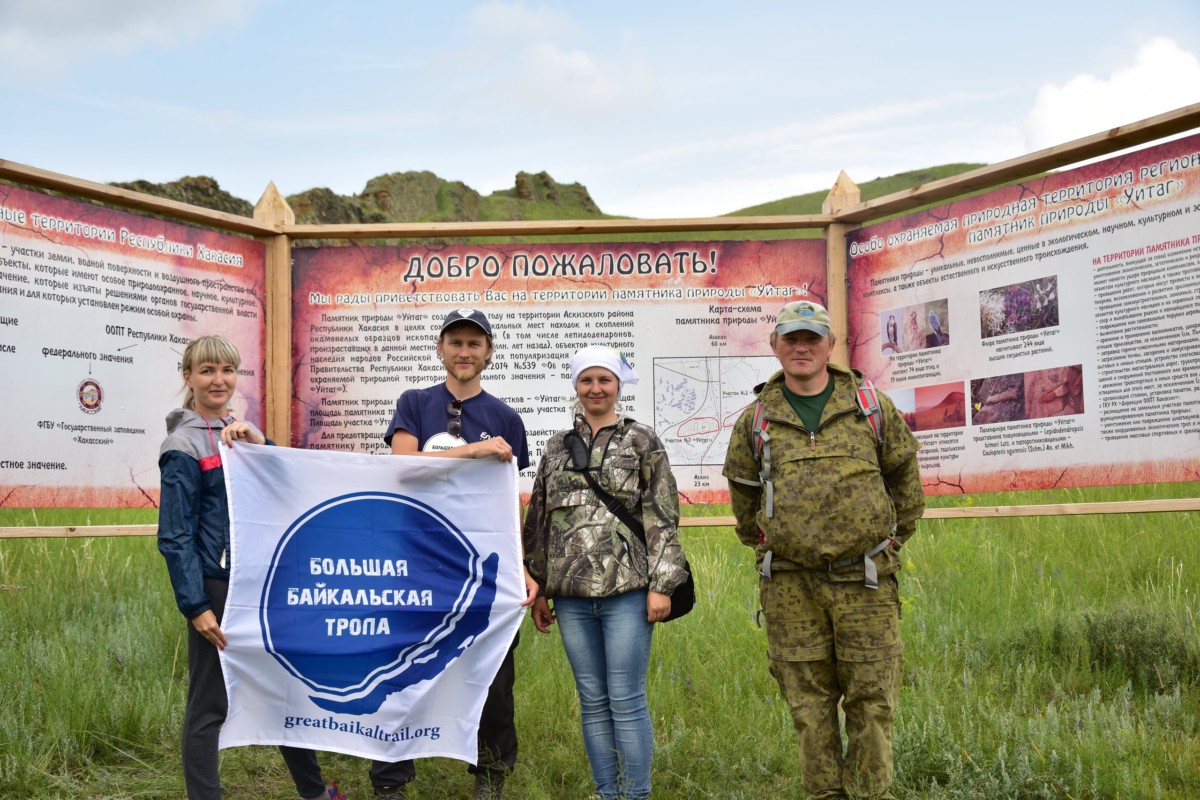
(193, 537)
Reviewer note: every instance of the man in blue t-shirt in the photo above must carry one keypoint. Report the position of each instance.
(458, 419)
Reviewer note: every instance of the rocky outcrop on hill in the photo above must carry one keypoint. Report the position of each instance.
(401, 197)
(199, 190)
(541, 188)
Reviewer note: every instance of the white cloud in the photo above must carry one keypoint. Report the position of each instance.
(40, 37)
(562, 80)
(297, 126)
(710, 198)
(539, 62)
(516, 22)
(802, 141)
(864, 152)
(1163, 77)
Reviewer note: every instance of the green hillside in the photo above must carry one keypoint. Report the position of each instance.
(400, 197)
(810, 203)
(425, 197)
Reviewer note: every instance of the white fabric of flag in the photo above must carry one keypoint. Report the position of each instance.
(371, 599)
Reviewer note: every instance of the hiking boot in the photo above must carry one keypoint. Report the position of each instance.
(391, 792)
(488, 787)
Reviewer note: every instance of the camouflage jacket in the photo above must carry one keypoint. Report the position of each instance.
(574, 546)
(838, 492)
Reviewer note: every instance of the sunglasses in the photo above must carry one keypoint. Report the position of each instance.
(454, 426)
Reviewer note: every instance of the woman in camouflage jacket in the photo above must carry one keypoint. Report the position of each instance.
(609, 587)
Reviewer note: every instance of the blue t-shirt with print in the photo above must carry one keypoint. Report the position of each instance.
(425, 414)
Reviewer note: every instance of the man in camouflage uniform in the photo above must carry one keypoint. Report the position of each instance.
(826, 504)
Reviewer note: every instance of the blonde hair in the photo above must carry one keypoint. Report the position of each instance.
(206, 350)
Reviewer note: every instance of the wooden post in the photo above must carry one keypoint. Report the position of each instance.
(844, 193)
(274, 210)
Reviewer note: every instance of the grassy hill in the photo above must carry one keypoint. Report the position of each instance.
(400, 197)
(810, 203)
(425, 197)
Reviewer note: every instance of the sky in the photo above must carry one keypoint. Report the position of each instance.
(661, 109)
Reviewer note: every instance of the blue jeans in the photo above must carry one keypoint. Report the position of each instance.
(607, 640)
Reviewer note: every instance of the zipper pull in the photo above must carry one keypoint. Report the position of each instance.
(812, 440)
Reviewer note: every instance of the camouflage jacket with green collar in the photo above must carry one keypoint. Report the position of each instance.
(574, 546)
(838, 491)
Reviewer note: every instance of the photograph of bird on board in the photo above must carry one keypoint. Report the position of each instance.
(918, 327)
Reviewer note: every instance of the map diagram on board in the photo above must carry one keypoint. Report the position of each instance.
(697, 401)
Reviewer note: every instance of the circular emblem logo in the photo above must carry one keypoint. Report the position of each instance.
(370, 593)
(442, 441)
(90, 396)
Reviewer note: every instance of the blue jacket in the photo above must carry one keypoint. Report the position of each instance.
(193, 512)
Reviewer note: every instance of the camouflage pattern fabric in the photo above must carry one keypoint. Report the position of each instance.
(837, 491)
(830, 639)
(829, 642)
(574, 546)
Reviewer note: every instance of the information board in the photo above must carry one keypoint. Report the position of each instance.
(96, 307)
(692, 317)
(1045, 334)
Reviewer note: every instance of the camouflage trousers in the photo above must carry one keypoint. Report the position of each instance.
(832, 643)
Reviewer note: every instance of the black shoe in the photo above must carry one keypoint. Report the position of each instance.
(391, 792)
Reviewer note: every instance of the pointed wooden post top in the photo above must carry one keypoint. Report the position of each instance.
(845, 192)
(273, 209)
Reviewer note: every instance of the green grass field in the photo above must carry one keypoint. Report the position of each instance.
(1045, 658)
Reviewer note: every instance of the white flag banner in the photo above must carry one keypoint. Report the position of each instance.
(371, 599)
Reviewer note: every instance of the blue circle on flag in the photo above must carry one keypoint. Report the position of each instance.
(370, 593)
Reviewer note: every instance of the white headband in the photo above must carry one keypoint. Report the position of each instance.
(601, 356)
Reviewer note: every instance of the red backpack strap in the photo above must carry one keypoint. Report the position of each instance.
(868, 406)
(758, 427)
(762, 454)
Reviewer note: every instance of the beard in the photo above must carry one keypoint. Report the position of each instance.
(465, 372)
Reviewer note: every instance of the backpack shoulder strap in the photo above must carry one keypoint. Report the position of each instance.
(868, 405)
(762, 455)
(759, 427)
